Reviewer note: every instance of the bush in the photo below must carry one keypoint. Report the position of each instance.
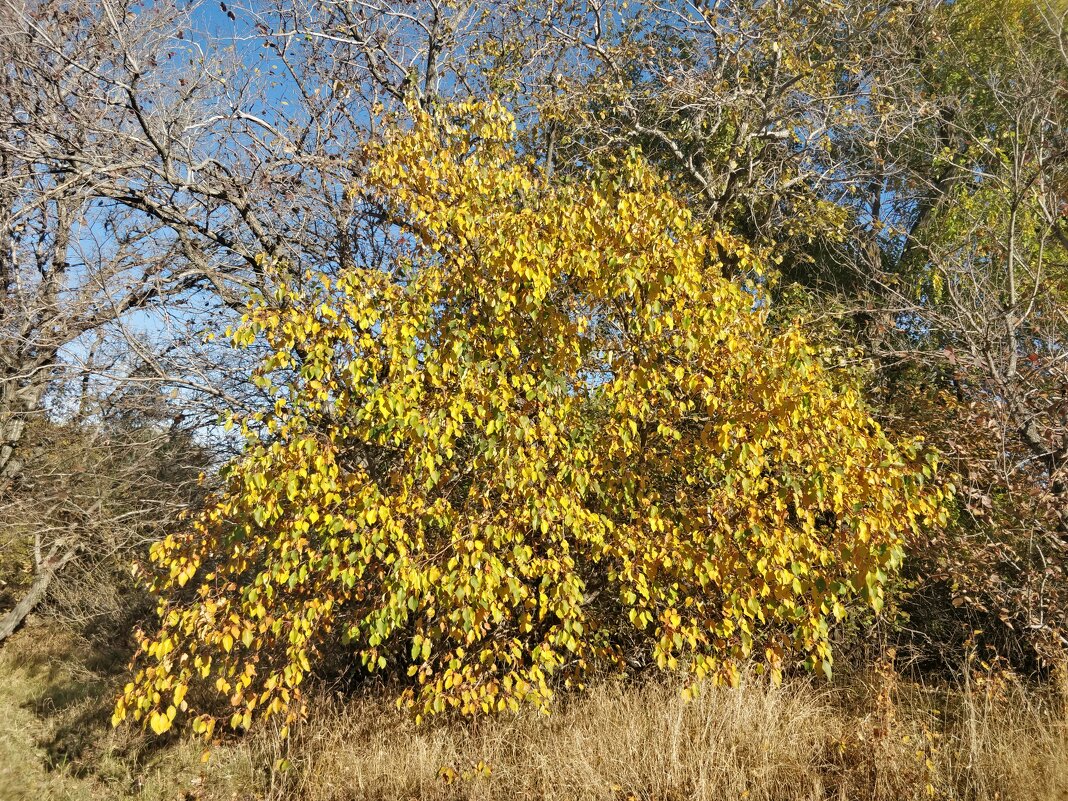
(550, 439)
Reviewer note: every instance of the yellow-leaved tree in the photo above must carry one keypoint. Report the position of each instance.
(551, 438)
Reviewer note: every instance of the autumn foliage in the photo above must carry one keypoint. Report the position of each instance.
(549, 438)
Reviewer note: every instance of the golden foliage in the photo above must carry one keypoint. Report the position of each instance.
(552, 439)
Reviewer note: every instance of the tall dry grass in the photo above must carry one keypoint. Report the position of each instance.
(874, 737)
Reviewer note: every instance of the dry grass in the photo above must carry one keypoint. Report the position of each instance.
(870, 737)
(867, 739)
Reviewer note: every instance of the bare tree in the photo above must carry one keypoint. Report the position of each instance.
(97, 494)
(148, 172)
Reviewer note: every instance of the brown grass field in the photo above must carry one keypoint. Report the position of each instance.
(866, 736)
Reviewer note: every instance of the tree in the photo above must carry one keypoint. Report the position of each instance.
(550, 438)
(144, 164)
(979, 282)
(96, 493)
(906, 162)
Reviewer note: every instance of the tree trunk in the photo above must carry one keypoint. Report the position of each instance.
(17, 403)
(45, 573)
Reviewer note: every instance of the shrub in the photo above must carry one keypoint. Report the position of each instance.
(550, 438)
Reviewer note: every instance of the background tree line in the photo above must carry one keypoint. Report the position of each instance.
(902, 165)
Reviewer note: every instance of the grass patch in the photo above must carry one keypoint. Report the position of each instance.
(871, 736)
(56, 741)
